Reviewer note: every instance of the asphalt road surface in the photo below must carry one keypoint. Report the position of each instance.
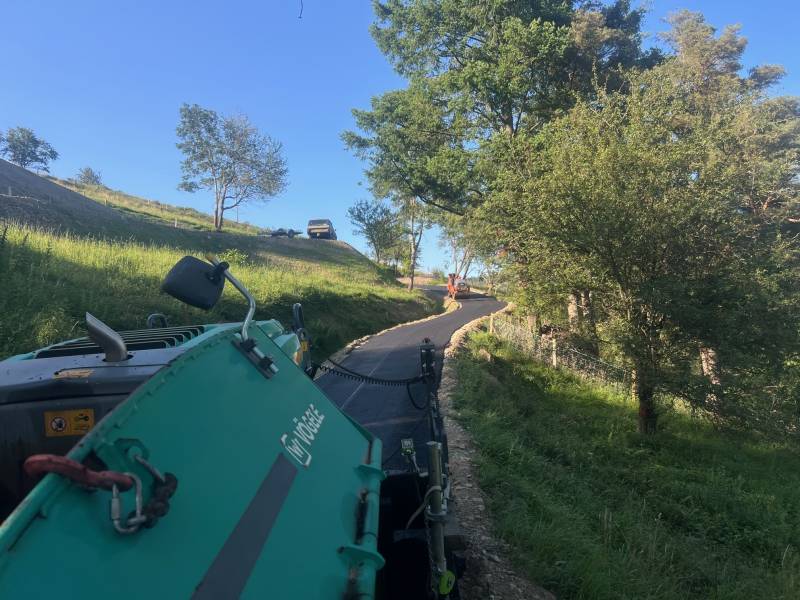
(387, 411)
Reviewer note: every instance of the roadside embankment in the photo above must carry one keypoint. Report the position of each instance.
(589, 508)
(490, 573)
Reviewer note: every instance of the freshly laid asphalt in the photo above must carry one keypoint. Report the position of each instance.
(387, 411)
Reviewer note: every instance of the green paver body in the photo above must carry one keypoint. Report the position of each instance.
(269, 507)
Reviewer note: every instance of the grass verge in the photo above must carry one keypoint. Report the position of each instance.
(593, 510)
(50, 280)
(153, 210)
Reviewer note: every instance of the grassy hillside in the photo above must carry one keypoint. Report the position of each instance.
(62, 254)
(44, 202)
(593, 510)
(49, 281)
(155, 211)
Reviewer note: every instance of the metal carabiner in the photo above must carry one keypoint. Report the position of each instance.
(132, 524)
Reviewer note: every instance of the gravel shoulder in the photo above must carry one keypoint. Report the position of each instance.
(490, 574)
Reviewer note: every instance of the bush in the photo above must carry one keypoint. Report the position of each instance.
(88, 176)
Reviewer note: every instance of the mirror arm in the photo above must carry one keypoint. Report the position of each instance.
(251, 311)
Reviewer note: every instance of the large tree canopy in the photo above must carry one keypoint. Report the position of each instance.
(229, 156)
(509, 64)
(657, 195)
(480, 70)
(670, 202)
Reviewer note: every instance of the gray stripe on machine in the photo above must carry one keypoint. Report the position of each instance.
(227, 576)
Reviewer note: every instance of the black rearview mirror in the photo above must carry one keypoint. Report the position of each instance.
(195, 282)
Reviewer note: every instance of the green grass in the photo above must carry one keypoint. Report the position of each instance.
(155, 211)
(50, 280)
(593, 510)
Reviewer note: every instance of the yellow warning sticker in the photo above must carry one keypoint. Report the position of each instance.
(304, 345)
(59, 423)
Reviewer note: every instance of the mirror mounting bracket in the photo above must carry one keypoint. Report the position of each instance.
(264, 363)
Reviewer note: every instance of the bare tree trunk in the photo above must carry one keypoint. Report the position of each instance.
(643, 392)
(533, 323)
(467, 264)
(218, 215)
(414, 251)
(416, 229)
(589, 326)
(573, 311)
(709, 363)
(413, 264)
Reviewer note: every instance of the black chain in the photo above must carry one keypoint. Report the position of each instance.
(158, 505)
(342, 371)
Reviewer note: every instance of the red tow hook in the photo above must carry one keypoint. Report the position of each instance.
(40, 464)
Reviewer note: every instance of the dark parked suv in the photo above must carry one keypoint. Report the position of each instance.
(321, 229)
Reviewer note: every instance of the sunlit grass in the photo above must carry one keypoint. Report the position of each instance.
(49, 281)
(594, 510)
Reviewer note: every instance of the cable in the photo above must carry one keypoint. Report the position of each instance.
(413, 403)
(433, 488)
(400, 447)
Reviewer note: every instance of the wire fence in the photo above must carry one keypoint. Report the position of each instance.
(555, 352)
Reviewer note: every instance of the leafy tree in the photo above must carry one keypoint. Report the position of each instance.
(229, 156)
(24, 148)
(639, 198)
(454, 236)
(398, 254)
(414, 148)
(88, 176)
(377, 223)
(477, 72)
(508, 65)
(418, 219)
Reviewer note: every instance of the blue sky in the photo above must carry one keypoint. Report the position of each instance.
(102, 82)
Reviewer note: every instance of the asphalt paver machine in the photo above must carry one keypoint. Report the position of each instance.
(203, 462)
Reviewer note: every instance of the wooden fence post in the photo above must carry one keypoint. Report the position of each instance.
(554, 357)
(491, 323)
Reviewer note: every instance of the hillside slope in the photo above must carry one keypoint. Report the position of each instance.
(153, 210)
(28, 198)
(62, 254)
(65, 207)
